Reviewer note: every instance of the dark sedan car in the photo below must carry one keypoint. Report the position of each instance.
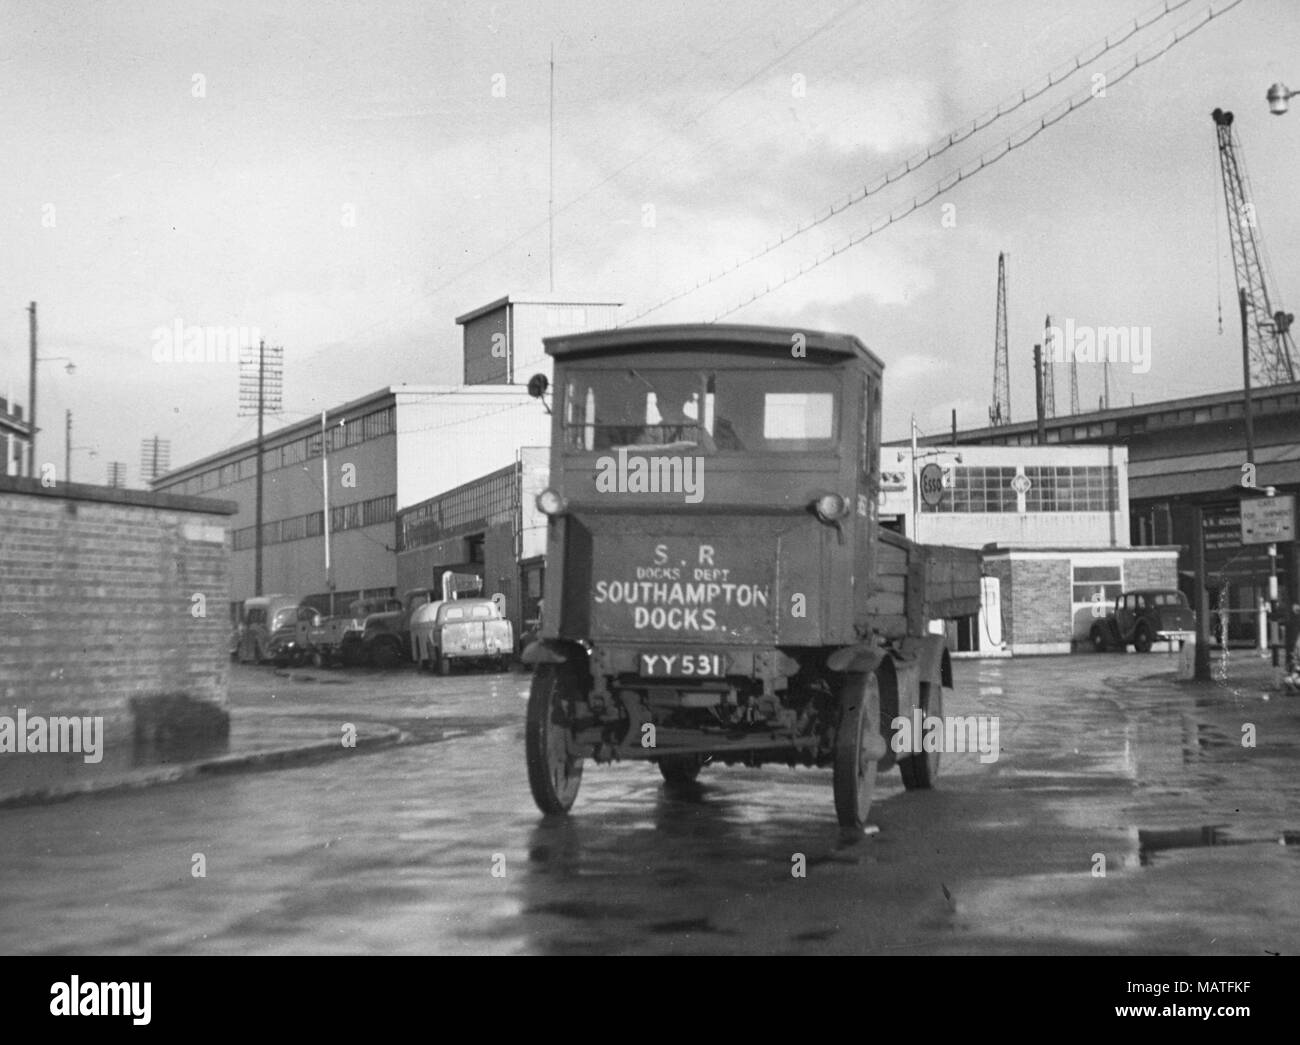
(1143, 618)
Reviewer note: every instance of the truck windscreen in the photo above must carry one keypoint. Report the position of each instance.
(712, 411)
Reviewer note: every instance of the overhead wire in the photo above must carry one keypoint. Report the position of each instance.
(936, 149)
(985, 160)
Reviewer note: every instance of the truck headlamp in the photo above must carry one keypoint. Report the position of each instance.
(830, 507)
(549, 502)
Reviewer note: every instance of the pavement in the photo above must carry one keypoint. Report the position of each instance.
(263, 738)
(260, 739)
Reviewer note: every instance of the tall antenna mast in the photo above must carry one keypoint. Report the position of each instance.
(1000, 411)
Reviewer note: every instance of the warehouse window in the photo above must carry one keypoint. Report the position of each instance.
(1083, 489)
(974, 489)
(1089, 581)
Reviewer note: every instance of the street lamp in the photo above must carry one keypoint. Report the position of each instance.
(69, 366)
(1279, 95)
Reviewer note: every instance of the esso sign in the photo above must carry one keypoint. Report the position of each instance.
(931, 484)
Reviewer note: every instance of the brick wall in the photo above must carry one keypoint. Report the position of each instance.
(1041, 610)
(98, 608)
(1150, 571)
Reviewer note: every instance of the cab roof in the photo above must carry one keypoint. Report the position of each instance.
(722, 336)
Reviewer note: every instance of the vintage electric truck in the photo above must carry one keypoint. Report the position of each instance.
(718, 588)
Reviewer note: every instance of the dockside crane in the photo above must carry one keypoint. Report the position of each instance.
(1270, 348)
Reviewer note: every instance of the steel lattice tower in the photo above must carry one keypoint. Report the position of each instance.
(1049, 374)
(1268, 333)
(1000, 411)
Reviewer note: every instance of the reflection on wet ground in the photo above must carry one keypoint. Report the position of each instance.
(1124, 814)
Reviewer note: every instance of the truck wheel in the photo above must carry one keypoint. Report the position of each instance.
(553, 774)
(317, 659)
(921, 769)
(444, 665)
(386, 656)
(1098, 639)
(858, 747)
(1142, 639)
(681, 769)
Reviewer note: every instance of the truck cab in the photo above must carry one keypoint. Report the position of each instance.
(711, 563)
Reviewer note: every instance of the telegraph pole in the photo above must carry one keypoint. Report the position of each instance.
(67, 446)
(258, 392)
(31, 402)
(261, 414)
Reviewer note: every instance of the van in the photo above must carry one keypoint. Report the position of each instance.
(267, 622)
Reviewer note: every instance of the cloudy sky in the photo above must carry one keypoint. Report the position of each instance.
(349, 177)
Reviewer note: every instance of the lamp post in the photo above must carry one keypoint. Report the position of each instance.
(915, 483)
(69, 366)
(1279, 97)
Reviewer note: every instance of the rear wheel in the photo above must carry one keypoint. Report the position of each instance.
(444, 665)
(681, 769)
(553, 774)
(1100, 643)
(1142, 639)
(858, 747)
(921, 769)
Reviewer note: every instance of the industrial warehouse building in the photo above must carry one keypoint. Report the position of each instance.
(1187, 457)
(1053, 526)
(427, 448)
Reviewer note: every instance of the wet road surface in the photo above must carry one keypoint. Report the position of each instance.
(436, 847)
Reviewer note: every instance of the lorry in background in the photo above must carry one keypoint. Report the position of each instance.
(718, 588)
(386, 634)
(462, 630)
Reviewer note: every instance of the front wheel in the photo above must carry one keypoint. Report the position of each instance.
(858, 747)
(1142, 639)
(554, 775)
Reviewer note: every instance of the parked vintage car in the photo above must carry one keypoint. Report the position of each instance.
(461, 630)
(1141, 618)
(266, 627)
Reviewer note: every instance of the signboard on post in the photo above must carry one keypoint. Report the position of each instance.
(1268, 520)
(931, 484)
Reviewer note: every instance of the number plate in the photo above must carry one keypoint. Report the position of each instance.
(692, 665)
